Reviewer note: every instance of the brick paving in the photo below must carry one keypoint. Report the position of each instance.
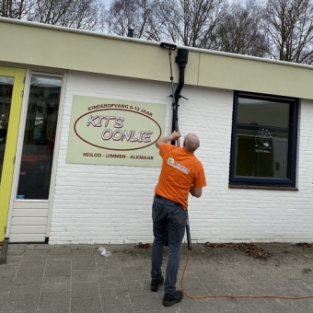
(77, 279)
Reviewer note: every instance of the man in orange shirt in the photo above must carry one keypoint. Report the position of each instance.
(181, 173)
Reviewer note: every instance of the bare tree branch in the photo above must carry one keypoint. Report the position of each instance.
(15, 9)
(80, 14)
(289, 26)
(240, 31)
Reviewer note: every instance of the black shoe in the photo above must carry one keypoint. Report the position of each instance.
(156, 283)
(169, 300)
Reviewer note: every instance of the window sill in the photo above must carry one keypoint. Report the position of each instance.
(262, 187)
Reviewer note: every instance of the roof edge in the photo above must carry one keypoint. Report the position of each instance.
(153, 43)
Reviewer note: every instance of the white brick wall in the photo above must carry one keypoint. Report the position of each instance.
(109, 204)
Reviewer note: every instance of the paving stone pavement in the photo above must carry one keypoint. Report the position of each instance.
(77, 279)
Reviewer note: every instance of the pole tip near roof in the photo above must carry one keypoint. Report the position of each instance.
(168, 45)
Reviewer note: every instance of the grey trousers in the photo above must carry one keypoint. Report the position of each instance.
(169, 219)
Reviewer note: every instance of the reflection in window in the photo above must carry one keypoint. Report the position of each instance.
(264, 140)
(6, 88)
(39, 137)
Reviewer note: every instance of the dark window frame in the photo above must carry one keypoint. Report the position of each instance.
(290, 181)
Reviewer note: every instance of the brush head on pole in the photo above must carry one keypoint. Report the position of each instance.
(168, 45)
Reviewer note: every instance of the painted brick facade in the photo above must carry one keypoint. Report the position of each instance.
(109, 204)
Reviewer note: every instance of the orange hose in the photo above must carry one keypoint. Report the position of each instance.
(235, 296)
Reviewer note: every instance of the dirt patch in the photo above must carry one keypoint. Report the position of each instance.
(248, 249)
(141, 245)
(303, 244)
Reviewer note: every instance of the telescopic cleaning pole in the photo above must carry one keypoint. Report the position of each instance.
(171, 47)
(181, 60)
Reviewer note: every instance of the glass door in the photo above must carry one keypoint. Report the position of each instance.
(11, 93)
(34, 170)
(39, 137)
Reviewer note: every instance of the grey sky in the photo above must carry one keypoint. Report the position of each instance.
(106, 2)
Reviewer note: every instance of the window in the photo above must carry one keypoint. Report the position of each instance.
(6, 89)
(264, 141)
(39, 137)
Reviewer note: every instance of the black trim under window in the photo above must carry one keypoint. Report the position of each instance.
(264, 140)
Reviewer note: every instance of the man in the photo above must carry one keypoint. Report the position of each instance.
(181, 173)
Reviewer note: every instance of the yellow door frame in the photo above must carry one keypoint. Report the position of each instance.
(11, 142)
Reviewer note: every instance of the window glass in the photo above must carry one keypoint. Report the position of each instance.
(263, 112)
(262, 148)
(6, 88)
(39, 137)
